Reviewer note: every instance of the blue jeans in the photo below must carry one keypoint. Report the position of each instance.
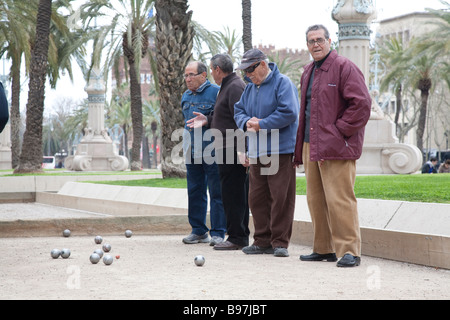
(201, 177)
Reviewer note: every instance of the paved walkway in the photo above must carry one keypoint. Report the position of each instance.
(162, 267)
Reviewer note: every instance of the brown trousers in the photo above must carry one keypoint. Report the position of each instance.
(332, 205)
(272, 203)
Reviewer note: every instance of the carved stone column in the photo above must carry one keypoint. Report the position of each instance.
(382, 154)
(96, 151)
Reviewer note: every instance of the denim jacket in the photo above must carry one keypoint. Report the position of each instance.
(201, 101)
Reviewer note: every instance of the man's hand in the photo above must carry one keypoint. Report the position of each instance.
(253, 125)
(243, 159)
(199, 121)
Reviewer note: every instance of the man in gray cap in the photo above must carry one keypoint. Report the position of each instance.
(269, 109)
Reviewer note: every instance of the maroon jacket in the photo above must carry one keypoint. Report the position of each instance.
(340, 110)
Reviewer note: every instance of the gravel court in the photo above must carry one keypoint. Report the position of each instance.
(162, 268)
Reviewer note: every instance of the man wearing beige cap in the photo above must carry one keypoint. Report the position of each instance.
(269, 109)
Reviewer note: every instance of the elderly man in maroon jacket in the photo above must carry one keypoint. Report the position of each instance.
(335, 108)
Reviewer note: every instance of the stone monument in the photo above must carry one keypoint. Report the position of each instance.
(96, 151)
(382, 153)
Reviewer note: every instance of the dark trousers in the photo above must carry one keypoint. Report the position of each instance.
(234, 185)
(272, 203)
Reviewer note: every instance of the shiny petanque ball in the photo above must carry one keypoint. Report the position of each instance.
(199, 260)
(66, 233)
(128, 233)
(55, 253)
(107, 259)
(99, 252)
(106, 247)
(94, 258)
(98, 239)
(65, 253)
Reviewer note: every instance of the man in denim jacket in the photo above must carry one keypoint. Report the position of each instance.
(202, 171)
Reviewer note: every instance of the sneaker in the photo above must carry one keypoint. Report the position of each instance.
(257, 250)
(281, 252)
(215, 240)
(193, 238)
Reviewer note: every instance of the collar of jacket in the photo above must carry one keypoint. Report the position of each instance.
(200, 89)
(228, 78)
(326, 63)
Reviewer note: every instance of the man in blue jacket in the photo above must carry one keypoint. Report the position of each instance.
(201, 175)
(268, 111)
(4, 113)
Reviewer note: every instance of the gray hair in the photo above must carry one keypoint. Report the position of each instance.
(318, 27)
(223, 61)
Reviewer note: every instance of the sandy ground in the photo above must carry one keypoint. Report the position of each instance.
(162, 268)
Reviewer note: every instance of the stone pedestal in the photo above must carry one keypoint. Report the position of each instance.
(96, 151)
(382, 153)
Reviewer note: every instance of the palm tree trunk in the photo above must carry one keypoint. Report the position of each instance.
(174, 42)
(16, 123)
(31, 156)
(247, 24)
(136, 117)
(424, 93)
(398, 95)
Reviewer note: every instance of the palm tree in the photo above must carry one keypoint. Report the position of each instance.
(393, 55)
(423, 70)
(247, 24)
(31, 156)
(230, 43)
(18, 27)
(127, 33)
(15, 29)
(174, 43)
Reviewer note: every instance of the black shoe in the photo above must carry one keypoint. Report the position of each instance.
(349, 261)
(329, 257)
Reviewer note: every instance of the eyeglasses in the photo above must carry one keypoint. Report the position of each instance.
(319, 41)
(252, 68)
(191, 75)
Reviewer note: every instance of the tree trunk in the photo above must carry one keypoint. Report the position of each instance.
(424, 87)
(247, 24)
(174, 42)
(136, 118)
(136, 96)
(31, 156)
(398, 95)
(16, 123)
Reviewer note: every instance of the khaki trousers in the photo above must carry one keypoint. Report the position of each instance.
(332, 205)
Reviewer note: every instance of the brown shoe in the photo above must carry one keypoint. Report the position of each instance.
(227, 245)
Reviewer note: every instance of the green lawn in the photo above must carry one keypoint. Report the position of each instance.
(419, 188)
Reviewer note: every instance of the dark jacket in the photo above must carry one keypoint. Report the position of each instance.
(223, 115)
(340, 110)
(4, 112)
